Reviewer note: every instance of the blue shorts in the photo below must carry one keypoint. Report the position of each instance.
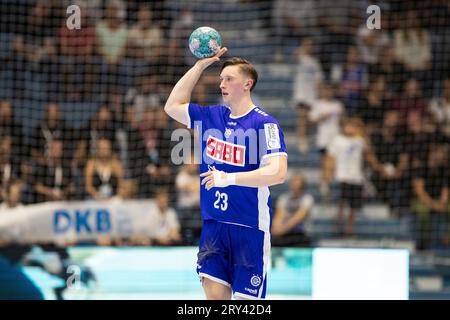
(236, 256)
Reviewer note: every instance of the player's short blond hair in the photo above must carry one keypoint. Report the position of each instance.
(245, 66)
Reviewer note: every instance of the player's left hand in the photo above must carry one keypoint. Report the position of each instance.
(216, 178)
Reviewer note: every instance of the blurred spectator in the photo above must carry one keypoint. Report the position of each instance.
(440, 37)
(411, 99)
(188, 201)
(308, 72)
(36, 38)
(115, 100)
(179, 56)
(308, 76)
(53, 180)
(417, 139)
(431, 184)
(374, 104)
(145, 37)
(390, 181)
(351, 77)
(370, 43)
(104, 173)
(9, 167)
(188, 187)
(93, 8)
(292, 210)
(156, 134)
(346, 156)
(146, 94)
(326, 114)
(78, 42)
(413, 49)
(9, 126)
(100, 126)
(77, 47)
(412, 44)
(293, 19)
(388, 66)
(339, 22)
(167, 221)
(112, 32)
(13, 197)
(440, 109)
(53, 127)
(136, 153)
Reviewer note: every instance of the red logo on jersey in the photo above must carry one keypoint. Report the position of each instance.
(226, 152)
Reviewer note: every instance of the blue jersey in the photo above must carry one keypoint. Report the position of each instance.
(236, 144)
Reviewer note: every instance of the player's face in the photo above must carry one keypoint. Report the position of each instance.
(233, 83)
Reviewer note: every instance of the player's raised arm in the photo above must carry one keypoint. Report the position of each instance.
(176, 105)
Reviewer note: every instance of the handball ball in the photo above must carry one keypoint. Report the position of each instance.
(204, 42)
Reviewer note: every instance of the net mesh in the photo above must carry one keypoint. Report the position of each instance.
(70, 97)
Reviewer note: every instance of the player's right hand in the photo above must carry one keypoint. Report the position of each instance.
(205, 63)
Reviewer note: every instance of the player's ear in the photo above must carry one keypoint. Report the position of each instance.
(248, 84)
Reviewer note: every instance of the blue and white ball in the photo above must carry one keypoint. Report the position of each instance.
(204, 42)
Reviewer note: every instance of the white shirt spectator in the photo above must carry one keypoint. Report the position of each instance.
(328, 128)
(147, 41)
(111, 42)
(290, 205)
(165, 222)
(141, 101)
(308, 74)
(413, 48)
(349, 157)
(440, 109)
(187, 198)
(370, 43)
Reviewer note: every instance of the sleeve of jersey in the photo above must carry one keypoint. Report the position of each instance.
(271, 139)
(196, 113)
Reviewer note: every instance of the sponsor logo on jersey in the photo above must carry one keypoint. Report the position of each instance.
(272, 136)
(255, 281)
(226, 152)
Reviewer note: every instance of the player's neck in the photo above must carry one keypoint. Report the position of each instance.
(241, 107)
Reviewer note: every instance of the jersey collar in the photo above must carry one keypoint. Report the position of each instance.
(243, 115)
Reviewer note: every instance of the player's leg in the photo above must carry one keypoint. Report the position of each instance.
(215, 290)
(212, 262)
(250, 251)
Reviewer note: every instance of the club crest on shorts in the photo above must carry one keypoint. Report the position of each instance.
(255, 281)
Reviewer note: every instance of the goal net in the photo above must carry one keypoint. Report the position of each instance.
(361, 90)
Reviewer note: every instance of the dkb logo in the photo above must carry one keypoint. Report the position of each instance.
(87, 221)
